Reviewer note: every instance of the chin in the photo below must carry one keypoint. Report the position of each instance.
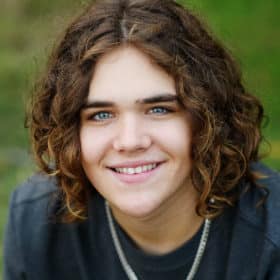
(139, 208)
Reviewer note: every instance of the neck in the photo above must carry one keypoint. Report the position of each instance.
(167, 228)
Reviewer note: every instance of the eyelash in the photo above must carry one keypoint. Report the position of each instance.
(160, 110)
(103, 116)
(98, 116)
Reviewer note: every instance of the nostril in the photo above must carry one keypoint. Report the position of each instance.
(132, 143)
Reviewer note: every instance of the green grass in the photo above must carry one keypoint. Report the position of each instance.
(250, 29)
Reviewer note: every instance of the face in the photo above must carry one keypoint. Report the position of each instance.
(135, 137)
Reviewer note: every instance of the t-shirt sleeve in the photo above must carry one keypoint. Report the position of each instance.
(13, 261)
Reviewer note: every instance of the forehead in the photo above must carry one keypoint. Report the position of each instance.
(127, 74)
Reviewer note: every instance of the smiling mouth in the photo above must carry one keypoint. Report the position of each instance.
(135, 170)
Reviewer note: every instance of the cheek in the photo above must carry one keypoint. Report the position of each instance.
(176, 138)
(93, 145)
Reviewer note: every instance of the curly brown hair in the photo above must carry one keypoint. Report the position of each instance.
(226, 117)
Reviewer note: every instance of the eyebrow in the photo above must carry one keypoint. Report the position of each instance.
(158, 99)
(149, 100)
(97, 104)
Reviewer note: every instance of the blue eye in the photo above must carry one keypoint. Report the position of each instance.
(159, 110)
(101, 116)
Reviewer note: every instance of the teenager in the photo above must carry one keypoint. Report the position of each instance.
(149, 147)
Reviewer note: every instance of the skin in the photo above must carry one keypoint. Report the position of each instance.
(132, 118)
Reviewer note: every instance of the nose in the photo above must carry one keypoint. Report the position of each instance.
(132, 135)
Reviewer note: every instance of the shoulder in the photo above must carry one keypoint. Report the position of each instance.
(31, 206)
(268, 172)
(265, 218)
(34, 200)
(271, 182)
(35, 188)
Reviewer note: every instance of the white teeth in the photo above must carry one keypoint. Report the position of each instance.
(137, 170)
(130, 170)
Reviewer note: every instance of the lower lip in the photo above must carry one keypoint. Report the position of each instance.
(135, 178)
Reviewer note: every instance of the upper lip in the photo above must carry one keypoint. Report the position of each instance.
(133, 164)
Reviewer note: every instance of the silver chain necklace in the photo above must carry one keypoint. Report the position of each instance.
(127, 268)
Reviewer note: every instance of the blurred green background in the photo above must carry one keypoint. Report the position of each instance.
(28, 28)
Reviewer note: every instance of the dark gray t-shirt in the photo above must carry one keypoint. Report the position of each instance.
(244, 242)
